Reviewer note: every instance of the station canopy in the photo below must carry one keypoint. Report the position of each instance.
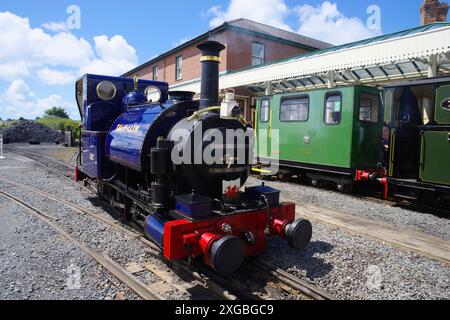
(406, 55)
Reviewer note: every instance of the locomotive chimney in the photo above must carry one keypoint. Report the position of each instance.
(209, 96)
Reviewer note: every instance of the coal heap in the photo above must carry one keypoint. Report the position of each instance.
(25, 131)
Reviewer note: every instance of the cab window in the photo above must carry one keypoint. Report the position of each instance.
(294, 110)
(368, 108)
(265, 110)
(333, 108)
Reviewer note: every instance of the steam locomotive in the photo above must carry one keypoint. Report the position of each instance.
(176, 167)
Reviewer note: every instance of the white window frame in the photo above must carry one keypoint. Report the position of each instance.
(179, 68)
(155, 73)
(262, 58)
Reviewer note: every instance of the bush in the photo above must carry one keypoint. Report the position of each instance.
(62, 124)
(57, 112)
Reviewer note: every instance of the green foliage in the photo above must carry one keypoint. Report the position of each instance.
(57, 123)
(57, 112)
(6, 124)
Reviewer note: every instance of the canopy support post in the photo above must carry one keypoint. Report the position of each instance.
(433, 67)
(331, 79)
(268, 88)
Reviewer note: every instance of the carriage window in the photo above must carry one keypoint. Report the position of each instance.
(265, 110)
(333, 108)
(295, 110)
(368, 108)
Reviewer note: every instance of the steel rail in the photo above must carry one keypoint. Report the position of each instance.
(120, 273)
(308, 289)
(208, 279)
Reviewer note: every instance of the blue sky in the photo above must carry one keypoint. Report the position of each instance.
(43, 58)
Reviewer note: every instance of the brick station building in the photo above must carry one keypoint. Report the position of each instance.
(248, 43)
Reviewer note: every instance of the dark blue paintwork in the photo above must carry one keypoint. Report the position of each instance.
(131, 148)
(134, 99)
(89, 84)
(93, 156)
(154, 228)
(126, 146)
(98, 116)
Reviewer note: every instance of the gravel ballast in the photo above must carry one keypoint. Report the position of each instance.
(355, 267)
(397, 216)
(36, 263)
(96, 235)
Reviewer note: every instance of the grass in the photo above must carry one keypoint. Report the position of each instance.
(7, 124)
(61, 124)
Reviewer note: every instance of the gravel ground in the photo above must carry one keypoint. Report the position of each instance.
(347, 266)
(397, 216)
(95, 235)
(359, 268)
(38, 264)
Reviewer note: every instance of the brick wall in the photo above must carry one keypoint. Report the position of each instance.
(237, 55)
(433, 11)
(191, 63)
(240, 49)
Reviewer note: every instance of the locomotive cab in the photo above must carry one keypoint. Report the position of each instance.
(418, 118)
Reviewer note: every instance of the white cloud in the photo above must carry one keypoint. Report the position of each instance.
(14, 70)
(325, 22)
(18, 91)
(51, 57)
(57, 77)
(115, 48)
(181, 41)
(20, 101)
(55, 26)
(271, 12)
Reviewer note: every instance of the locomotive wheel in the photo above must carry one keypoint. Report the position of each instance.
(315, 183)
(284, 177)
(299, 234)
(227, 255)
(345, 187)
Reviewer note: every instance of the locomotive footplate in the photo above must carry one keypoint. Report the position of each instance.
(224, 241)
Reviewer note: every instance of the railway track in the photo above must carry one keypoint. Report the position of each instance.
(63, 169)
(225, 287)
(120, 273)
(378, 198)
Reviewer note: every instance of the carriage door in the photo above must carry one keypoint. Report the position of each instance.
(263, 129)
(435, 149)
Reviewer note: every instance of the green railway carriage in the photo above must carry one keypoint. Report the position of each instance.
(418, 117)
(326, 134)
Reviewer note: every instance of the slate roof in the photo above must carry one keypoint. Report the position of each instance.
(249, 26)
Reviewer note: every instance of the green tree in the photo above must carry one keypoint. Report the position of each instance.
(57, 112)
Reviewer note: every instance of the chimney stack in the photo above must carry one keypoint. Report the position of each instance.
(433, 11)
(209, 94)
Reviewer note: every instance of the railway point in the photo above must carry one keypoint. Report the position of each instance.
(229, 158)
